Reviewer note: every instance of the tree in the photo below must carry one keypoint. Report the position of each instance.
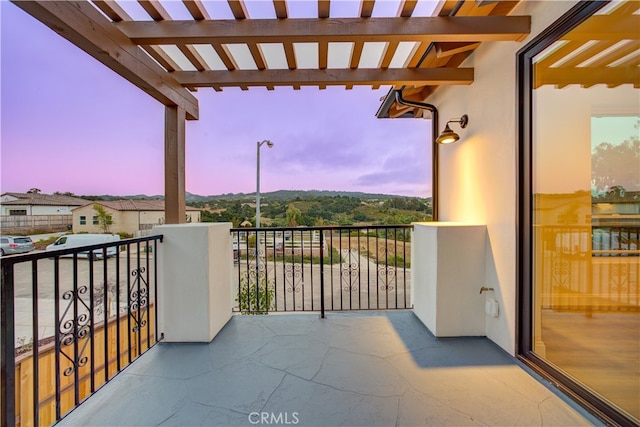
(105, 219)
(294, 216)
(616, 165)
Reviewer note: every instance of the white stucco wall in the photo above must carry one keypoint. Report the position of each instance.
(194, 280)
(478, 175)
(39, 210)
(445, 290)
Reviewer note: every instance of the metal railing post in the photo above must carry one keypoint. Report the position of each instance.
(321, 274)
(7, 354)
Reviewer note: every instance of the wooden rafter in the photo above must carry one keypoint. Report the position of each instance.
(366, 8)
(156, 11)
(194, 57)
(112, 9)
(617, 54)
(280, 7)
(390, 50)
(83, 25)
(606, 27)
(323, 54)
(356, 54)
(454, 29)
(418, 53)
(225, 56)
(586, 76)
(161, 57)
(196, 9)
(407, 7)
(303, 77)
(257, 55)
(324, 8)
(445, 8)
(290, 54)
(238, 9)
(449, 49)
(116, 13)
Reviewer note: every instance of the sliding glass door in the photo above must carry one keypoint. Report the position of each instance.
(581, 227)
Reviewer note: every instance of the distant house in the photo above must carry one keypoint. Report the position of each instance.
(128, 216)
(26, 212)
(38, 204)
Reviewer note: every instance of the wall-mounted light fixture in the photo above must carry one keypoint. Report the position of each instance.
(448, 136)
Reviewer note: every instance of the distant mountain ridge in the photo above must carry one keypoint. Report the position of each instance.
(280, 195)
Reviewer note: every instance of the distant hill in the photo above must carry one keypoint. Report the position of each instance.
(284, 195)
(280, 195)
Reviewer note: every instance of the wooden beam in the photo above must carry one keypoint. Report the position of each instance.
(305, 77)
(290, 54)
(112, 9)
(281, 8)
(84, 26)
(559, 53)
(625, 8)
(606, 27)
(588, 53)
(356, 54)
(419, 51)
(366, 8)
(444, 49)
(225, 56)
(388, 54)
(116, 13)
(324, 8)
(586, 76)
(161, 57)
(406, 8)
(257, 55)
(155, 9)
(174, 165)
(238, 9)
(196, 9)
(504, 7)
(194, 57)
(617, 54)
(323, 54)
(397, 110)
(445, 8)
(450, 29)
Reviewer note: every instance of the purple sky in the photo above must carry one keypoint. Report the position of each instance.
(70, 124)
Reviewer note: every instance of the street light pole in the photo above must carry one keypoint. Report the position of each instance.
(258, 145)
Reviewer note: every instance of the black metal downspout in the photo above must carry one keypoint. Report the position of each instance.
(435, 161)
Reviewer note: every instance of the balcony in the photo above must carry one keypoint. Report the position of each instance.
(359, 369)
(341, 361)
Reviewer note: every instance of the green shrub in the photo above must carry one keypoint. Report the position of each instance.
(254, 299)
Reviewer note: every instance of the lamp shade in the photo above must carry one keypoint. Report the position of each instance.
(447, 136)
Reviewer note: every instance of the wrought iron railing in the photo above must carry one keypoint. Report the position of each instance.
(322, 268)
(70, 325)
(588, 268)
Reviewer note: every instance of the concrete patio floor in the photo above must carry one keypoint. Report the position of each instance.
(351, 369)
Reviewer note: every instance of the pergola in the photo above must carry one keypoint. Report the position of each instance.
(170, 59)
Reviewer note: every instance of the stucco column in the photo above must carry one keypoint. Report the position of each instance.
(447, 272)
(174, 165)
(195, 272)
